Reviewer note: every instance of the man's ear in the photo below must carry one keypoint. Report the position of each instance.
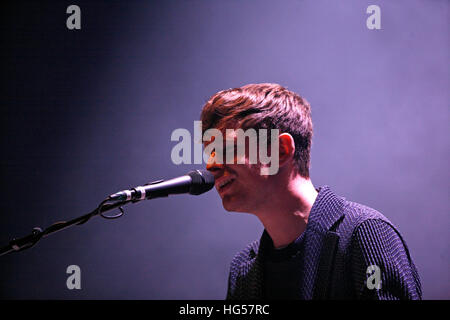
(286, 147)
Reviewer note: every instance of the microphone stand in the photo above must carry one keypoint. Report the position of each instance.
(197, 182)
(31, 239)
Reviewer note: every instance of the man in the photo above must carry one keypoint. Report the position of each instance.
(315, 244)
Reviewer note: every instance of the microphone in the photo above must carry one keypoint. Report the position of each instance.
(194, 182)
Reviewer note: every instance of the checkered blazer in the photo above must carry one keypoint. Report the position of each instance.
(342, 239)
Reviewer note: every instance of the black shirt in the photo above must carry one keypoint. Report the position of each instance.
(281, 270)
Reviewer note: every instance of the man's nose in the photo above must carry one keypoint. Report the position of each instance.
(212, 165)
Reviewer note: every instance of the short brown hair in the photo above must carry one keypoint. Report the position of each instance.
(264, 106)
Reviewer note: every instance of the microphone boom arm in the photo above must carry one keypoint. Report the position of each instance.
(37, 234)
(195, 182)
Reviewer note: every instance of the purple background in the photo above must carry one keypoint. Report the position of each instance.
(87, 113)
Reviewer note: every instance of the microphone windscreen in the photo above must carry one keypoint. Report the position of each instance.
(202, 181)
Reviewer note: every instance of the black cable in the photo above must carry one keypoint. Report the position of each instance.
(37, 233)
(99, 211)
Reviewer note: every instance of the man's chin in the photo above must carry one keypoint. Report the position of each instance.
(232, 206)
(228, 207)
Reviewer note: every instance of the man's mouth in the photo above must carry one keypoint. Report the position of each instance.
(224, 184)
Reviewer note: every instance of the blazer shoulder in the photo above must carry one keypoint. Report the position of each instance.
(356, 214)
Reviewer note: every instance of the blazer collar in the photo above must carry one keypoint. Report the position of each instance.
(326, 211)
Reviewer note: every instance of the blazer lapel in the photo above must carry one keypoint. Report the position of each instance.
(253, 270)
(325, 266)
(321, 242)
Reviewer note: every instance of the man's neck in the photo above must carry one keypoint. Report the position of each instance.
(285, 218)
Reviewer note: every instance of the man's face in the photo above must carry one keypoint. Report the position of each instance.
(241, 186)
